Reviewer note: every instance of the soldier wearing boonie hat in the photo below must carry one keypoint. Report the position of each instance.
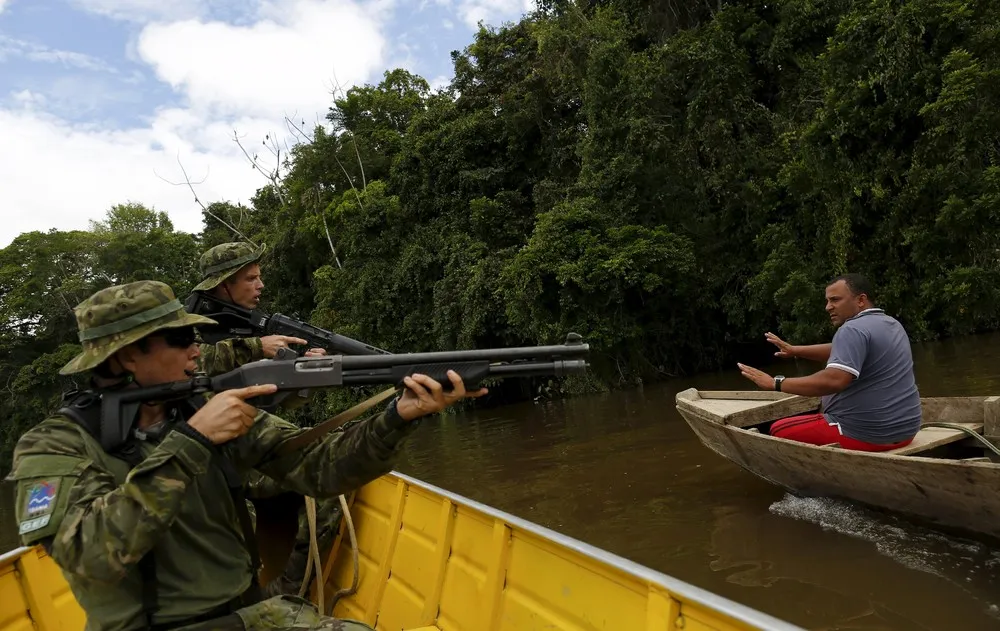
(222, 261)
(118, 316)
(231, 272)
(145, 534)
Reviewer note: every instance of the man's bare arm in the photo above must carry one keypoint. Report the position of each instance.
(813, 352)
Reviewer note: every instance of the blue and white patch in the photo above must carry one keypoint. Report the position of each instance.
(38, 505)
(41, 497)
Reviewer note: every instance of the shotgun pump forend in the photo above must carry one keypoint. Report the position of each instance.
(119, 408)
(237, 321)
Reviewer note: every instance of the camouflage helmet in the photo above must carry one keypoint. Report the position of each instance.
(219, 263)
(117, 316)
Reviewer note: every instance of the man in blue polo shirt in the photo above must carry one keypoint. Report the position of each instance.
(869, 395)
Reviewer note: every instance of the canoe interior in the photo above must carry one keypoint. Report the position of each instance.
(757, 410)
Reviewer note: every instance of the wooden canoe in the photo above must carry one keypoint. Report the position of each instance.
(944, 478)
(430, 560)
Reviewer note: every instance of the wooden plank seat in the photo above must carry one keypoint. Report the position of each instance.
(930, 437)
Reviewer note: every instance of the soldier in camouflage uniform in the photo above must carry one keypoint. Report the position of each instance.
(231, 272)
(149, 535)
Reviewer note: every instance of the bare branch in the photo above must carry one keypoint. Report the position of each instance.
(364, 182)
(274, 148)
(187, 182)
(330, 240)
(314, 194)
(66, 302)
(252, 159)
(298, 131)
(274, 177)
(346, 174)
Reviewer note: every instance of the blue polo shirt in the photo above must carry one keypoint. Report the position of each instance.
(882, 404)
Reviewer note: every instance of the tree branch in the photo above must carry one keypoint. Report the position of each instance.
(187, 182)
(271, 176)
(346, 175)
(329, 240)
(297, 131)
(364, 182)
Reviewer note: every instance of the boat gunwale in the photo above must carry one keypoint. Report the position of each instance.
(677, 587)
(14, 553)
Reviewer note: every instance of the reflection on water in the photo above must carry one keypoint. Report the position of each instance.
(623, 471)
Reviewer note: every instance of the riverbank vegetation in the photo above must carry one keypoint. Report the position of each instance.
(668, 179)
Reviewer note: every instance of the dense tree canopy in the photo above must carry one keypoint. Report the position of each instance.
(668, 179)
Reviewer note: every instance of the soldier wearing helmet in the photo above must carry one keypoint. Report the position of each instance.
(154, 534)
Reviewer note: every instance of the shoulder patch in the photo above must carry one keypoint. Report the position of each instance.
(38, 504)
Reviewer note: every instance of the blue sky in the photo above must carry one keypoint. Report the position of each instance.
(100, 100)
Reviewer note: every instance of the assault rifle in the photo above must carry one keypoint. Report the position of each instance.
(237, 321)
(119, 408)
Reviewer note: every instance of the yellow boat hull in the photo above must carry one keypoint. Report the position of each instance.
(430, 559)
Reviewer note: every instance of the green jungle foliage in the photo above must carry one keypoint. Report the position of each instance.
(668, 181)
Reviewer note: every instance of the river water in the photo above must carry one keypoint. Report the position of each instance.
(622, 471)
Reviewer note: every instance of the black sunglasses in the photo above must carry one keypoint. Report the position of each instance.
(181, 337)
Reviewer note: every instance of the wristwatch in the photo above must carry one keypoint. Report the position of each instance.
(777, 382)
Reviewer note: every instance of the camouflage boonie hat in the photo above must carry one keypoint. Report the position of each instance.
(117, 316)
(224, 260)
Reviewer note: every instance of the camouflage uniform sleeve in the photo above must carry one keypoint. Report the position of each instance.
(256, 485)
(96, 527)
(340, 462)
(230, 354)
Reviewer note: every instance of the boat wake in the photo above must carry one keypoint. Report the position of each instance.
(955, 559)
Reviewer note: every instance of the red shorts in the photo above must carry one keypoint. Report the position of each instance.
(813, 429)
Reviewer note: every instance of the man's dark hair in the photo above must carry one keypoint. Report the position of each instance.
(856, 283)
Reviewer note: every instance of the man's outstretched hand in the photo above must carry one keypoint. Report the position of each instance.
(759, 377)
(785, 350)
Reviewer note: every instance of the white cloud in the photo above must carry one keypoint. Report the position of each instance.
(56, 174)
(3, 3)
(27, 99)
(491, 12)
(146, 10)
(439, 82)
(289, 57)
(12, 48)
(60, 176)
